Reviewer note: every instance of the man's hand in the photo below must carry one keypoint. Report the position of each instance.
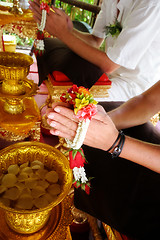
(101, 132)
(56, 21)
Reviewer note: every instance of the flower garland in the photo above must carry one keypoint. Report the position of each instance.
(113, 29)
(39, 42)
(84, 108)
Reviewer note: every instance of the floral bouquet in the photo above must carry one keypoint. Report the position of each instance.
(84, 108)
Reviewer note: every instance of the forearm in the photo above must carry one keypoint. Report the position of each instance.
(88, 52)
(137, 110)
(130, 113)
(145, 154)
(88, 38)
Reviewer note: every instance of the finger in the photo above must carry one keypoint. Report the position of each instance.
(60, 134)
(58, 11)
(34, 5)
(69, 113)
(57, 104)
(61, 128)
(62, 119)
(61, 104)
(35, 8)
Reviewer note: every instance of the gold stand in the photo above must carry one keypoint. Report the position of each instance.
(57, 227)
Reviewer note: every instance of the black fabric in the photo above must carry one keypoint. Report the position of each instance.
(58, 57)
(123, 194)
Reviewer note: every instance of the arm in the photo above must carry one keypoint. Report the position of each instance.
(101, 134)
(137, 110)
(85, 45)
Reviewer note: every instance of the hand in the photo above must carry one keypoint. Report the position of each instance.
(56, 23)
(101, 132)
(35, 8)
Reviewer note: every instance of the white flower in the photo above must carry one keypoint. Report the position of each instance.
(79, 174)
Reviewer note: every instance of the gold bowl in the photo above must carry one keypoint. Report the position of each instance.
(14, 68)
(30, 221)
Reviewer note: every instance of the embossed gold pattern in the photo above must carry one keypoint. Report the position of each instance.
(25, 221)
(22, 24)
(57, 227)
(34, 134)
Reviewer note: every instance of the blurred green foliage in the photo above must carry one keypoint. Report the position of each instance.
(76, 13)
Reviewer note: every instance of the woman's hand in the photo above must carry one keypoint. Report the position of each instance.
(101, 132)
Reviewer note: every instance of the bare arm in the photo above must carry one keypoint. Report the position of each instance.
(145, 154)
(88, 38)
(137, 110)
(101, 134)
(85, 45)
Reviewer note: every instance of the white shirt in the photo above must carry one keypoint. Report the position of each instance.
(137, 47)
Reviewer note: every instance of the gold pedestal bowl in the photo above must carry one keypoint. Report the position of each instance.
(30, 221)
(14, 68)
(14, 86)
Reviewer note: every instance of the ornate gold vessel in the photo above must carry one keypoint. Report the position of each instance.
(30, 221)
(14, 68)
(14, 87)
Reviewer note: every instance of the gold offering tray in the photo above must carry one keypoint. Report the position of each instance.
(57, 227)
(29, 86)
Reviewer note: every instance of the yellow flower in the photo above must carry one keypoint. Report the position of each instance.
(80, 103)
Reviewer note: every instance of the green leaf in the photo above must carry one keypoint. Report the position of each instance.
(83, 186)
(113, 29)
(71, 149)
(74, 152)
(81, 152)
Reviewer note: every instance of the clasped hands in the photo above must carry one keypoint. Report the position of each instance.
(57, 22)
(101, 132)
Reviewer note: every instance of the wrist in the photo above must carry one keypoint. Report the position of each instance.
(110, 141)
(117, 146)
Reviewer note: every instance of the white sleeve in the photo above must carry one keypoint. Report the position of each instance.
(100, 23)
(138, 32)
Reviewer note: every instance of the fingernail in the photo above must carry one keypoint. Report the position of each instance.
(50, 115)
(57, 109)
(52, 124)
(56, 132)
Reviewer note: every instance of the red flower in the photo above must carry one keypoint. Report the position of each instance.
(76, 158)
(87, 188)
(45, 6)
(40, 35)
(73, 89)
(63, 98)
